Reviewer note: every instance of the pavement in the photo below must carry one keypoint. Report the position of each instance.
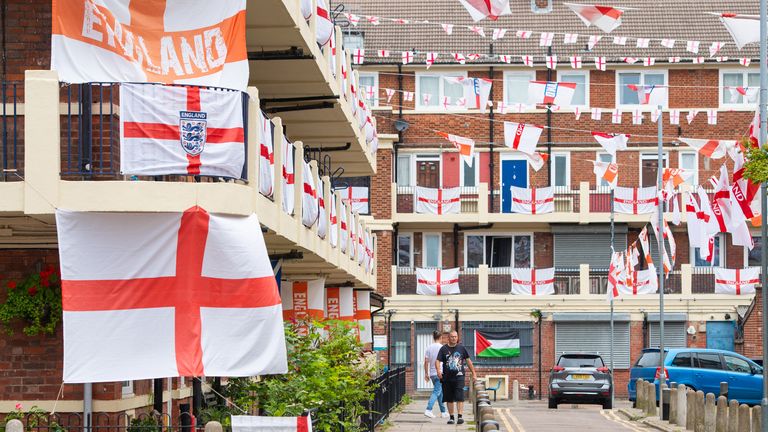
(528, 416)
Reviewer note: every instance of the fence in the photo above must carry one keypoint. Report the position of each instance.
(389, 389)
(11, 132)
(468, 199)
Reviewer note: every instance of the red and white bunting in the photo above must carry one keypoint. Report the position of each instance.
(674, 60)
(713, 149)
(383, 53)
(437, 201)
(477, 30)
(692, 46)
(600, 63)
(445, 102)
(570, 38)
(491, 9)
(408, 96)
(358, 56)
(499, 33)
(593, 40)
(551, 62)
(390, 93)
(650, 94)
(373, 20)
(448, 28)
(607, 171)
(431, 58)
(459, 58)
(533, 201)
(630, 60)
(577, 113)
(715, 48)
(546, 39)
(697, 60)
(597, 113)
(745, 61)
(527, 60)
(352, 18)
(691, 115)
(635, 201)
(619, 40)
(534, 282)
(612, 142)
(605, 18)
(712, 116)
(437, 281)
(649, 61)
(637, 116)
(668, 43)
(736, 281)
(407, 57)
(505, 58)
(523, 34)
(426, 98)
(674, 116)
(616, 115)
(522, 137)
(643, 42)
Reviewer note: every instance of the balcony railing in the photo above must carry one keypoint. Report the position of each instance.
(469, 199)
(11, 132)
(406, 281)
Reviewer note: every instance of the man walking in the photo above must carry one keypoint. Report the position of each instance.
(430, 374)
(450, 370)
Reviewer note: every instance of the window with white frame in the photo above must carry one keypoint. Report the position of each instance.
(437, 86)
(502, 250)
(719, 254)
(431, 251)
(404, 170)
(127, 388)
(752, 258)
(405, 250)
(581, 95)
(369, 86)
(730, 79)
(516, 86)
(689, 161)
(649, 163)
(603, 157)
(626, 95)
(470, 175)
(561, 169)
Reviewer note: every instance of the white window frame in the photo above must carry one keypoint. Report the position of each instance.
(695, 178)
(411, 166)
(485, 234)
(127, 389)
(598, 179)
(642, 73)
(744, 74)
(755, 234)
(692, 254)
(567, 168)
(476, 157)
(410, 252)
(375, 75)
(418, 157)
(441, 90)
(586, 84)
(650, 156)
(530, 74)
(424, 249)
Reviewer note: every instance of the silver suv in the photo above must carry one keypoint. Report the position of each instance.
(580, 378)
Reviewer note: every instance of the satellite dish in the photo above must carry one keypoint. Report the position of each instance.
(691, 330)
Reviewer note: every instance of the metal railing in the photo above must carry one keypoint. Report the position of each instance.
(566, 200)
(11, 132)
(567, 281)
(600, 199)
(468, 197)
(703, 280)
(389, 389)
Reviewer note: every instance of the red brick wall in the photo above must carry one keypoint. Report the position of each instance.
(753, 329)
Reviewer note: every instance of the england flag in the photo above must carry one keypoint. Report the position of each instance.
(437, 282)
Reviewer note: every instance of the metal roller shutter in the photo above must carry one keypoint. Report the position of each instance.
(594, 337)
(575, 245)
(674, 335)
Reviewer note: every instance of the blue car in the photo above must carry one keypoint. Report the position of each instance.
(701, 369)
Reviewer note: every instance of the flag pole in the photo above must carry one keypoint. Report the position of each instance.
(764, 205)
(662, 251)
(611, 294)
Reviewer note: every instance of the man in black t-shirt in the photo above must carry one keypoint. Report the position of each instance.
(450, 369)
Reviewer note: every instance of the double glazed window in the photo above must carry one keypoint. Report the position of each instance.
(499, 250)
(731, 80)
(437, 86)
(581, 95)
(627, 96)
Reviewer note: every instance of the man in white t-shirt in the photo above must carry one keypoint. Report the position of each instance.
(430, 374)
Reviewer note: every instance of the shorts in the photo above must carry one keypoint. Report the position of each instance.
(453, 390)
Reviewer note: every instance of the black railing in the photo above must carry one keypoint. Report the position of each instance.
(11, 132)
(389, 389)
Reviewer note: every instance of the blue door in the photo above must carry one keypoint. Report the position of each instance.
(513, 173)
(720, 335)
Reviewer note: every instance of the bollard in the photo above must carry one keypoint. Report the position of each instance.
(690, 403)
(673, 402)
(664, 400)
(14, 425)
(733, 416)
(639, 395)
(744, 421)
(651, 401)
(698, 409)
(681, 405)
(213, 426)
(721, 420)
(515, 393)
(710, 413)
(757, 415)
(724, 388)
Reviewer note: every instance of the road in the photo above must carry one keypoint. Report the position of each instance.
(534, 416)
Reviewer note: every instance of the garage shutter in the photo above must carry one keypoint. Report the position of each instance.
(575, 245)
(674, 335)
(594, 337)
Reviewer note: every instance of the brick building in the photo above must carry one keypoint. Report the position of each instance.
(487, 241)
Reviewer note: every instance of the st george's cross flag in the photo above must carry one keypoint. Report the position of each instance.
(200, 284)
(363, 315)
(465, 146)
(193, 42)
(497, 344)
(533, 200)
(303, 301)
(713, 149)
(357, 197)
(635, 201)
(744, 29)
(607, 171)
(166, 130)
(289, 175)
(437, 201)
(309, 203)
(612, 142)
(551, 92)
(650, 94)
(522, 137)
(322, 206)
(605, 18)
(334, 221)
(531, 281)
(736, 281)
(244, 423)
(476, 91)
(324, 28)
(641, 282)
(266, 156)
(492, 9)
(437, 281)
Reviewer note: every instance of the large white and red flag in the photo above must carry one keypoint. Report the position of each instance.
(324, 27)
(697, 221)
(181, 130)
(307, 302)
(531, 281)
(476, 91)
(736, 281)
(309, 203)
(650, 94)
(612, 142)
(492, 9)
(617, 275)
(533, 200)
(605, 18)
(339, 304)
(334, 221)
(363, 315)
(744, 29)
(322, 222)
(344, 229)
(522, 137)
(201, 284)
(465, 146)
(551, 92)
(635, 201)
(289, 180)
(243, 423)
(754, 129)
(195, 42)
(730, 215)
(744, 191)
(437, 201)
(713, 149)
(357, 197)
(607, 171)
(360, 242)
(641, 282)
(266, 156)
(437, 281)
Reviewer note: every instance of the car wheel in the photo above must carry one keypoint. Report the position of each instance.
(552, 403)
(607, 404)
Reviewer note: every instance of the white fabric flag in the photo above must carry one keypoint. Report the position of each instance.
(309, 205)
(357, 197)
(605, 18)
(437, 281)
(325, 26)
(642, 282)
(548, 92)
(306, 9)
(492, 9)
(360, 243)
(522, 137)
(713, 149)
(744, 29)
(731, 215)
(476, 91)
(533, 201)
(363, 315)
(201, 284)
(736, 281)
(607, 171)
(696, 220)
(650, 94)
(437, 201)
(612, 142)
(635, 201)
(749, 93)
(288, 176)
(266, 157)
(322, 222)
(536, 160)
(343, 228)
(536, 282)
(334, 219)
(181, 130)
(465, 146)
(243, 423)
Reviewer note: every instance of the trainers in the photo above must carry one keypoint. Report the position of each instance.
(450, 421)
(460, 421)
(444, 414)
(429, 414)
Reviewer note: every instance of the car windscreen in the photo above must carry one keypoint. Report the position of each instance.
(648, 359)
(575, 361)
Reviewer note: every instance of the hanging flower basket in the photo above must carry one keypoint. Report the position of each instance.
(35, 300)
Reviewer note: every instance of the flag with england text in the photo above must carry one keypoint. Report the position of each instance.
(437, 282)
(437, 201)
(533, 200)
(549, 92)
(200, 284)
(522, 137)
(245, 423)
(736, 281)
(497, 344)
(532, 281)
(635, 200)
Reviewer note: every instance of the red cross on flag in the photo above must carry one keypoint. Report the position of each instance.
(357, 197)
(650, 94)
(200, 284)
(344, 239)
(437, 201)
(289, 181)
(640, 282)
(309, 202)
(736, 281)
(363, 315)
(713, 149)
(605, 18)
(536, 282)
(522, 137)
(635, 201)
(243, 423)
(181, 130)
(322, 222)
(476, 91)
(324, 28)
(533, 201)
(266, 156)
(492, 9)
(549, 92)
(437, 281)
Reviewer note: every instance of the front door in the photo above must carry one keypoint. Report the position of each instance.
(423, 341)
(428, 173)
(720, 335)
(514, 172)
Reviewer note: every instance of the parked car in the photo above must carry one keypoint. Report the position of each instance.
(701, 369)
(580, 378)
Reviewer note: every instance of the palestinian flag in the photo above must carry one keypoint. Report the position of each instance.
(497, 343)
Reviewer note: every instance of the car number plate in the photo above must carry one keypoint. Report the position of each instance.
(581, 377)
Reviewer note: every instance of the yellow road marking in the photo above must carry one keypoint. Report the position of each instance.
(610, 415)
(503, 419)
(515, 421)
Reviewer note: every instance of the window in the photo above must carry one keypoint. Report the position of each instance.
(400, 343)
(682, 359)
(581, 96)
(580, 361)
(603, 157)
(689, 161)
(753, 257)
(370, 80)
(353, 40)
(498, 250)
(404, 170)
(649, 163)
(628, 96)
(431, 251)
(470, 175)
(735, 364)
(437, 86)
(709, 361)
(475, 251)
(561, 173)
(719, 253)
(405, 250)
(127, 388)
(516, 87)
(729, 79)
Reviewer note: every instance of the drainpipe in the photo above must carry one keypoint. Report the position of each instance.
(399, 117)
(87, 405)
(549, 129)
(395, 245)
(492, 165)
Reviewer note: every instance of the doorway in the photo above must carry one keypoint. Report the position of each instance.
(514, 172)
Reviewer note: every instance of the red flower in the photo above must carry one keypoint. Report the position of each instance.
(45, 282)
(32, 290)
(11, 284)
(50, 269)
